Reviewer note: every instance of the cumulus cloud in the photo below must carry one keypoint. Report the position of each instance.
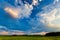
(50, 16)
(12, 12)
(35, 2)
(55, 1)
(18, 2)
(24, 10)
(21, 11)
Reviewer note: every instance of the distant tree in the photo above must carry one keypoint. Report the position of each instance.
(53, 34)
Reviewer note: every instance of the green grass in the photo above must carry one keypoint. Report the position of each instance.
(29, 37)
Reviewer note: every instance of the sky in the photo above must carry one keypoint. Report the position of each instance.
(29, 16)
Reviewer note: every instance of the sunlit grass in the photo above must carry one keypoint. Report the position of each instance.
(29, 37)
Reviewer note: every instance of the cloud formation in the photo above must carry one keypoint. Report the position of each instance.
(12, 33)
(16, 32)
(41, 33)
(21, 11)
(50, 16)
(35, 2)
(5, 31)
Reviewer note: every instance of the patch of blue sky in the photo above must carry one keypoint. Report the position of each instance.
(23, 24)
(39, 7)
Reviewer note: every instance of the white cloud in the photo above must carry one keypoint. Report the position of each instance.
(55, 1)
(40, 33)
(50, 17)
(11, 33)
(5, 31)
(18, 2)
(19, 11)
(16, 32)
(35, 2)
(3, 27)
(40, 0)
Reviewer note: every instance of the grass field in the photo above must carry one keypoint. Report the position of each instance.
(29, 37)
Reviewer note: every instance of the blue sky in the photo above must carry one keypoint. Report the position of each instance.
(28, 18)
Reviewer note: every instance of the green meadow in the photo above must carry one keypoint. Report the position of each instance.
(29, 37)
